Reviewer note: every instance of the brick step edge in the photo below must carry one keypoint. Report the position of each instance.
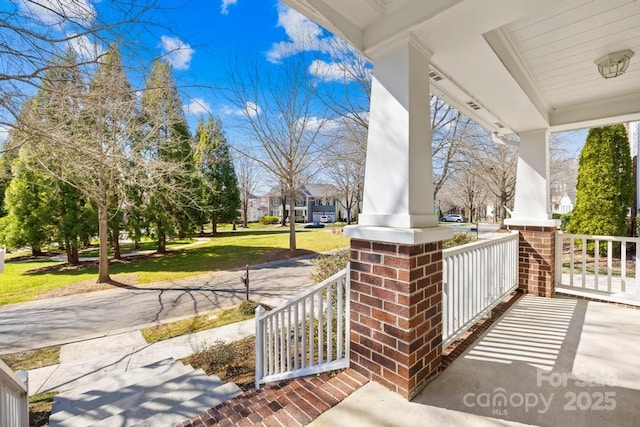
(290, 403)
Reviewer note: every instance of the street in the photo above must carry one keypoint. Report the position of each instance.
(66, 319)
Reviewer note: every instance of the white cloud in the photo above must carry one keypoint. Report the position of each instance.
(250, 109)
(4, 134)
(86, 50)
(52, 12)
(178, 53)
(330, 71)
(224, 8)
(302, 35)
(197, 106)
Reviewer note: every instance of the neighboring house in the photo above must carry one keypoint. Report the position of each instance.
(257, 208)
(562, 204)
(312, 202)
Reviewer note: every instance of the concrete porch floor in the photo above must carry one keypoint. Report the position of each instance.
(546, 362)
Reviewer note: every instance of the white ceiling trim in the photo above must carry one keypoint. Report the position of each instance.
(597, 113)
(506, 51)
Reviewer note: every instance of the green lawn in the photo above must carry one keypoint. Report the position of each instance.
(230, 249)
(144, 246)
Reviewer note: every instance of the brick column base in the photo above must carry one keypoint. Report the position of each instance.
(396, 313)
(537, 259)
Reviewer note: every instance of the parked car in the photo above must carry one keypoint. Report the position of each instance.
(314, 225)
(325, 218)
(453, 218)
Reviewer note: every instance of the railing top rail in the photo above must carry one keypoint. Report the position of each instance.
(7, 375)
(597, 237)
(320, 286)
(479, 244)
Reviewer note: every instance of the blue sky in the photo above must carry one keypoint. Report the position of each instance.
(202, 39)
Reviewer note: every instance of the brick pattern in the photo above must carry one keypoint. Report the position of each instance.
(396, 313)
(288, 403)
(537, 259)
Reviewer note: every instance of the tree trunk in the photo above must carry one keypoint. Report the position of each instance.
(234, 225)
(136, 238)
(503, 210)
(245, 209)
(292, 217)
(162, 243)
(103, 249)
(214, 227)
(284, 210)
(72, 252)
(115, 236)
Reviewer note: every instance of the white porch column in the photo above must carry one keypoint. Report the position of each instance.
(398, 187)
(531, 215)
(532, 204)
(396, 253)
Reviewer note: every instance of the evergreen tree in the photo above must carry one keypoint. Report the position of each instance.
(76, 220)
(220, 193)
(30, 215)
(167, 140)
(604, 190)
(57, 106)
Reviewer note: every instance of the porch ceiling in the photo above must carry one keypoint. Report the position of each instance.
(525, 64)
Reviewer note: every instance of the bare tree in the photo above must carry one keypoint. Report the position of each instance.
(453, 138)
(563, 167)
(498, 164)
(283, 121)
(345, 163)
(98, 147)
(247, 172)
(33, 32)
(468, 188)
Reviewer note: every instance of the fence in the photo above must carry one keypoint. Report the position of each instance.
(306, 335)
(603, 267)
(14, 398)
(476, 276)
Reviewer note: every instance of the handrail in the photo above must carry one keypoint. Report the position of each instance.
(476, 276)
(305, 335)
(602, 267)
(14, 397)
(290, 302)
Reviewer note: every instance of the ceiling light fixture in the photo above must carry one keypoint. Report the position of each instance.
(614, 64)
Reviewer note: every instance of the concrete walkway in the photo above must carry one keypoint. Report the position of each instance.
(86, 362)
(546, 362)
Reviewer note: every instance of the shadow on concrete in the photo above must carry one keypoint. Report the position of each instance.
(529, 368)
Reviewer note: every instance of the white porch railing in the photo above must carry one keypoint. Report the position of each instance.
(476, 276)
(306, 335)
(603, 267)
(14, 398)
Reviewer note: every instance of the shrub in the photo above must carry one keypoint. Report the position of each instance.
(269, 219)
(248, 308)
(328, 265)
(457, 240)
(564, 221)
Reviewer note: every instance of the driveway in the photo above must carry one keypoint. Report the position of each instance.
(66, 319)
